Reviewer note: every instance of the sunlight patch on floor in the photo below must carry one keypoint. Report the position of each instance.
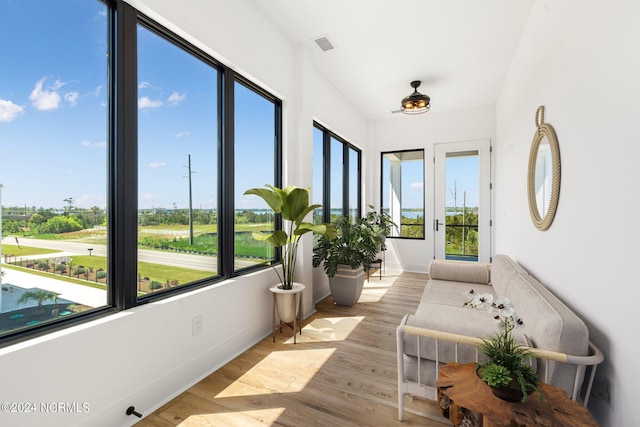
(376, 288)
(280, 372)
(259, 417)
(374, 293)
(329, 329)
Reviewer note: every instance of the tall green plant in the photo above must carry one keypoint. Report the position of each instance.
(292, 203)
(356, 245)
(380, 223)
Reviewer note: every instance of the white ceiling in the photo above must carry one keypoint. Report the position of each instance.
(460, 49)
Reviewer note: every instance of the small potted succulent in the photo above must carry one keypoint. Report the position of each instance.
(506, 371)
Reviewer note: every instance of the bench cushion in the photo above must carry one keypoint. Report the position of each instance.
(460, 271)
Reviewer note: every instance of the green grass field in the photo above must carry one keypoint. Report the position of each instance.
(158, 272)
(25, 250)
(155, 238)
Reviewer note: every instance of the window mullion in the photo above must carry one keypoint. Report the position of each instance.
(122, 245)
(326, 212)
(226, 167)
(345, 179)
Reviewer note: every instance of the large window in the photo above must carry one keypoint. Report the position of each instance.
(177, 165)
(337, 165)
(337, 168)
(353, 182)
(402, 190)
(317, 188)
(53, 178)
(255, 131)
(124, 162)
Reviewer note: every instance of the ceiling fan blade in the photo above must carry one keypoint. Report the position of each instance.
(396, 111)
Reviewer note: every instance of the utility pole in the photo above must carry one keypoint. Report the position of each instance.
(190, 203)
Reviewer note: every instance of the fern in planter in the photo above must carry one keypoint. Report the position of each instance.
(380, 224)
(357, 244)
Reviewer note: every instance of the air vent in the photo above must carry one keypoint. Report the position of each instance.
(324, 43)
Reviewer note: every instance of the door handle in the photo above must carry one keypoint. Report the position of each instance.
(436, 224)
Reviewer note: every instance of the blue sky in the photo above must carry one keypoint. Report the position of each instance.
(52, 103)
(53, 107)
(462, 174)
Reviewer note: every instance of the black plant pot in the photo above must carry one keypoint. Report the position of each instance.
(509, 393)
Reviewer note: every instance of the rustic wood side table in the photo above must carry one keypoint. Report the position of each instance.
(467, 401)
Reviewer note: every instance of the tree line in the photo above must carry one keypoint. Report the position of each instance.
(71, 218)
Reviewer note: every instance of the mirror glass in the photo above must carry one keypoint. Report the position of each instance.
(543, 174)
(543, 181)
(543, 177)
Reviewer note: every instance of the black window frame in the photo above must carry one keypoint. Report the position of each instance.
(327, 136)
(228, 189)
(122, 166)
(382, 183)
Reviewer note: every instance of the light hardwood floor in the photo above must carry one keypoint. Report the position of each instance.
(341, 372)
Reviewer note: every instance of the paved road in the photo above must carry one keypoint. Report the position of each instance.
(196, 262)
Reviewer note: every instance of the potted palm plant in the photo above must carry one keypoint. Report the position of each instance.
(292, 204)
(348, 256)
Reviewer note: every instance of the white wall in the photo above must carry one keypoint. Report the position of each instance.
(147, 355)
(581, 61)
(327, 107)
(416, 132)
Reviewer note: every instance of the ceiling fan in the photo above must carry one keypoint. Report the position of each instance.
(416, 103)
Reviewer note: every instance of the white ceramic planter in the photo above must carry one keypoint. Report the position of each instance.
(346, 286)
(287, 301)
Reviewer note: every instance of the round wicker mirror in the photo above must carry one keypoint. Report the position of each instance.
(543, 183)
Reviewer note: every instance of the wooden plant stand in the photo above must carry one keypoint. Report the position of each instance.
(465, 400)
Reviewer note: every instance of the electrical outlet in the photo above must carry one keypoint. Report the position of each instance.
(196, 325)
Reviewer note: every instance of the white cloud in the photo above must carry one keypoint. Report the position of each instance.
(145, 102)
(71, 97)
(100, 144)
(9, 111)
(45, 99)
(176, 98)
(57, 84)
(181, 134)
(157, 164)
(144, 85)
(416, 185)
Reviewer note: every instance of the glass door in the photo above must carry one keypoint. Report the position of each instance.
(462, 204)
